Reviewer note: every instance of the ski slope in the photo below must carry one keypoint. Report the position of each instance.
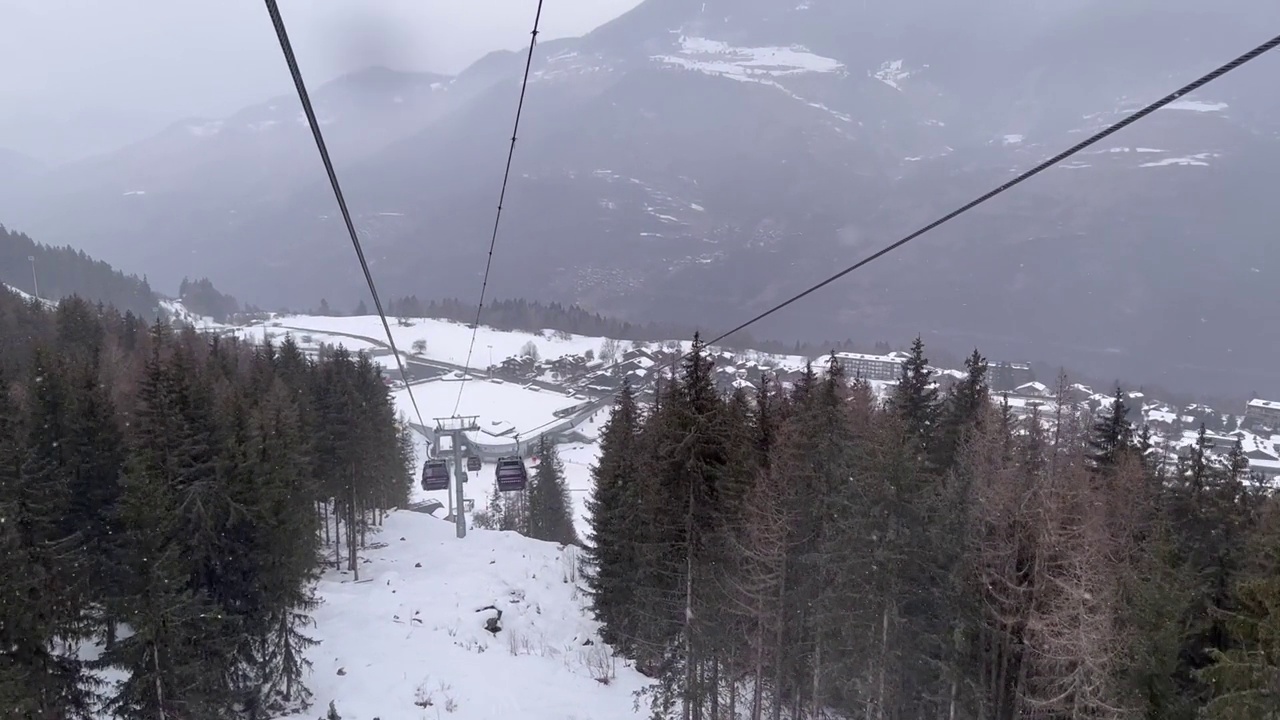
(409, 641)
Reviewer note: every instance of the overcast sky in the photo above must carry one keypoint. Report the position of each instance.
(210, 57)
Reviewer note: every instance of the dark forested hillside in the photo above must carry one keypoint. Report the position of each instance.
(202, 298)
(64, 271)
(813, 553)
(166, 500)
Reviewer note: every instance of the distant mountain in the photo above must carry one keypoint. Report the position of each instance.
(92, 131)
(700, 160)
(16, 169)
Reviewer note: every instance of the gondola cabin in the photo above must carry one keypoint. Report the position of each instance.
(473, 464)
(435, 475)
(511, 475)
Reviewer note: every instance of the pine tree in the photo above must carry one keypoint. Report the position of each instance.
(1244, 676)
(611, 557)
(550, 509)
(43, 636)
(963, 406)
(915, 397)
(96, 444)
(1112, 433)
(283, 528)
(168, 611)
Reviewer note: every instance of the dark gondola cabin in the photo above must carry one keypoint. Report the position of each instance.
(511, 475)
(435, 475)
(473, 464)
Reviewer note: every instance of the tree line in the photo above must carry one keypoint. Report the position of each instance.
(167, 500)
(814, 552)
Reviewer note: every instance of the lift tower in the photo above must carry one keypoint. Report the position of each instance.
(454, 427)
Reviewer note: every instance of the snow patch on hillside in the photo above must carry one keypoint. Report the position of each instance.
(891, 73)
(746, 64)
(206, 129)
(1198, 159)
(1196, 106)
(29, 297)
(760, 65)
(177, 311)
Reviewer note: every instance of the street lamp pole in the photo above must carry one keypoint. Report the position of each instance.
(34, 281)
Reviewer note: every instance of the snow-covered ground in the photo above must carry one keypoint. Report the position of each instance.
(446, 341)
(28, 297)
(503, 403)
(409, 641)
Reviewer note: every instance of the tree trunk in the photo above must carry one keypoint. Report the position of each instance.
(884, 662)
(155, 658)
(690, 662)
(816, 698)
(779, 652)
(337, 536)
(757, 692)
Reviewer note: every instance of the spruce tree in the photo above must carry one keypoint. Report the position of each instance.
(164, 604)
(915, 398)
(45, 634)
(1244, 675)
(97, 445)
(962, 408)
(550, 509)
(612, 556)
(283, 528)
(1112, 433)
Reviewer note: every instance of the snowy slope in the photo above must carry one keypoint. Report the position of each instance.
(178, 311)
(412, 632)
(28, 297)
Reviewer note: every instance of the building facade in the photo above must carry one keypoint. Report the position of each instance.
(1263, 412)
(870, 367)
(1005, 376)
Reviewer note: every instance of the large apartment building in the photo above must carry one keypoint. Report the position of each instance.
(871, 367)
(1263, 412)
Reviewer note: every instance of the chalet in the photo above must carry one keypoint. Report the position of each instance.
(1033, 389)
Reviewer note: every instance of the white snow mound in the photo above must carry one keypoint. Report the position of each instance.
(409, 641)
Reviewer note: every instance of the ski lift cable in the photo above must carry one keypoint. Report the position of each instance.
(287, 48)
(506, 175)
(1101, 135)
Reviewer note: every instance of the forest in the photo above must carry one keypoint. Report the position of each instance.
(816, 553)
(64, 271)
(202, 298)
(167, 500)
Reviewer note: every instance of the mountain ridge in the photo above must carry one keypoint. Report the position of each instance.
(709, 159)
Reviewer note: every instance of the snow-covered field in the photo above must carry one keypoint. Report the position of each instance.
(446, 341)
(409, 641)
(506, 404)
